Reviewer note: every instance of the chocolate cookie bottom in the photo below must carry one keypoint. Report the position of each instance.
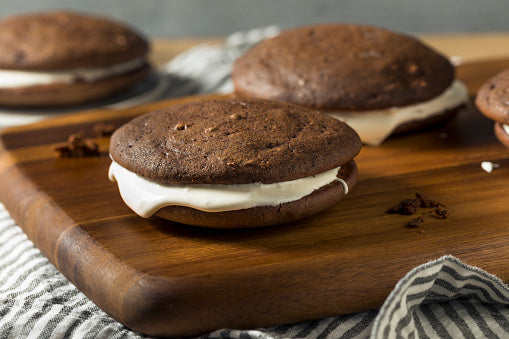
(321, 199)
(57, 95)
(431, 122)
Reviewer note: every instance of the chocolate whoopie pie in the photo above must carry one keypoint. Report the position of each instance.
(379, 82)
(233, 162)
(493, 101)
(65, 58)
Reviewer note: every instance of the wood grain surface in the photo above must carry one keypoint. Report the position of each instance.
(162, 278)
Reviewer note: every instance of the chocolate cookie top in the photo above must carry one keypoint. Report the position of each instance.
(62, 40)
(493, 98)
(342, 67)
(233, 141)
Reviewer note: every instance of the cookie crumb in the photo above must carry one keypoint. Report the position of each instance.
(102, 129)
(77, 146)
(415, 222)
(427, 202)
(405, 207)
(441, 213)
(411, 206)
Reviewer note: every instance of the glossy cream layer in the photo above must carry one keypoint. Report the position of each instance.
(145, 197)
(375, 126)
(506, 128)
(16, 79)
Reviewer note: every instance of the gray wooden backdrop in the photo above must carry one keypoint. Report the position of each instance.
(213, 18)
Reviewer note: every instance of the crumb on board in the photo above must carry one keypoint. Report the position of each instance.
(405, 207)
(411, 206)
(427, 202)
(415, 222)
(77, 146)
(441, 213)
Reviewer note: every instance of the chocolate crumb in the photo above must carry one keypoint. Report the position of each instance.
(427, 202)
(405, 207)
(102, 129)
(415, 222)
(410, 207)
(441, 213)
(77, 146)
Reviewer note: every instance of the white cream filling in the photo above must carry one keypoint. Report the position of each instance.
(489, 166)
(145, 197)
(506, 128)
(375, 126)
(15, 79)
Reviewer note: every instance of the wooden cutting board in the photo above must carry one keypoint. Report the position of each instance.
(162, 278)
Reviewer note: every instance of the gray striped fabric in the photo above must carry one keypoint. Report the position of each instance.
(36, 301)
(442, 298)
(206, 68)
(445, 298)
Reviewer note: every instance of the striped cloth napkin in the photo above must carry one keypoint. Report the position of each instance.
(442, 298)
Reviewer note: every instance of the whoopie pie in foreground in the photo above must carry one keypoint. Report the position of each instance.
(67, 58)
(233, 162)
(379, 82)
(493, 101)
